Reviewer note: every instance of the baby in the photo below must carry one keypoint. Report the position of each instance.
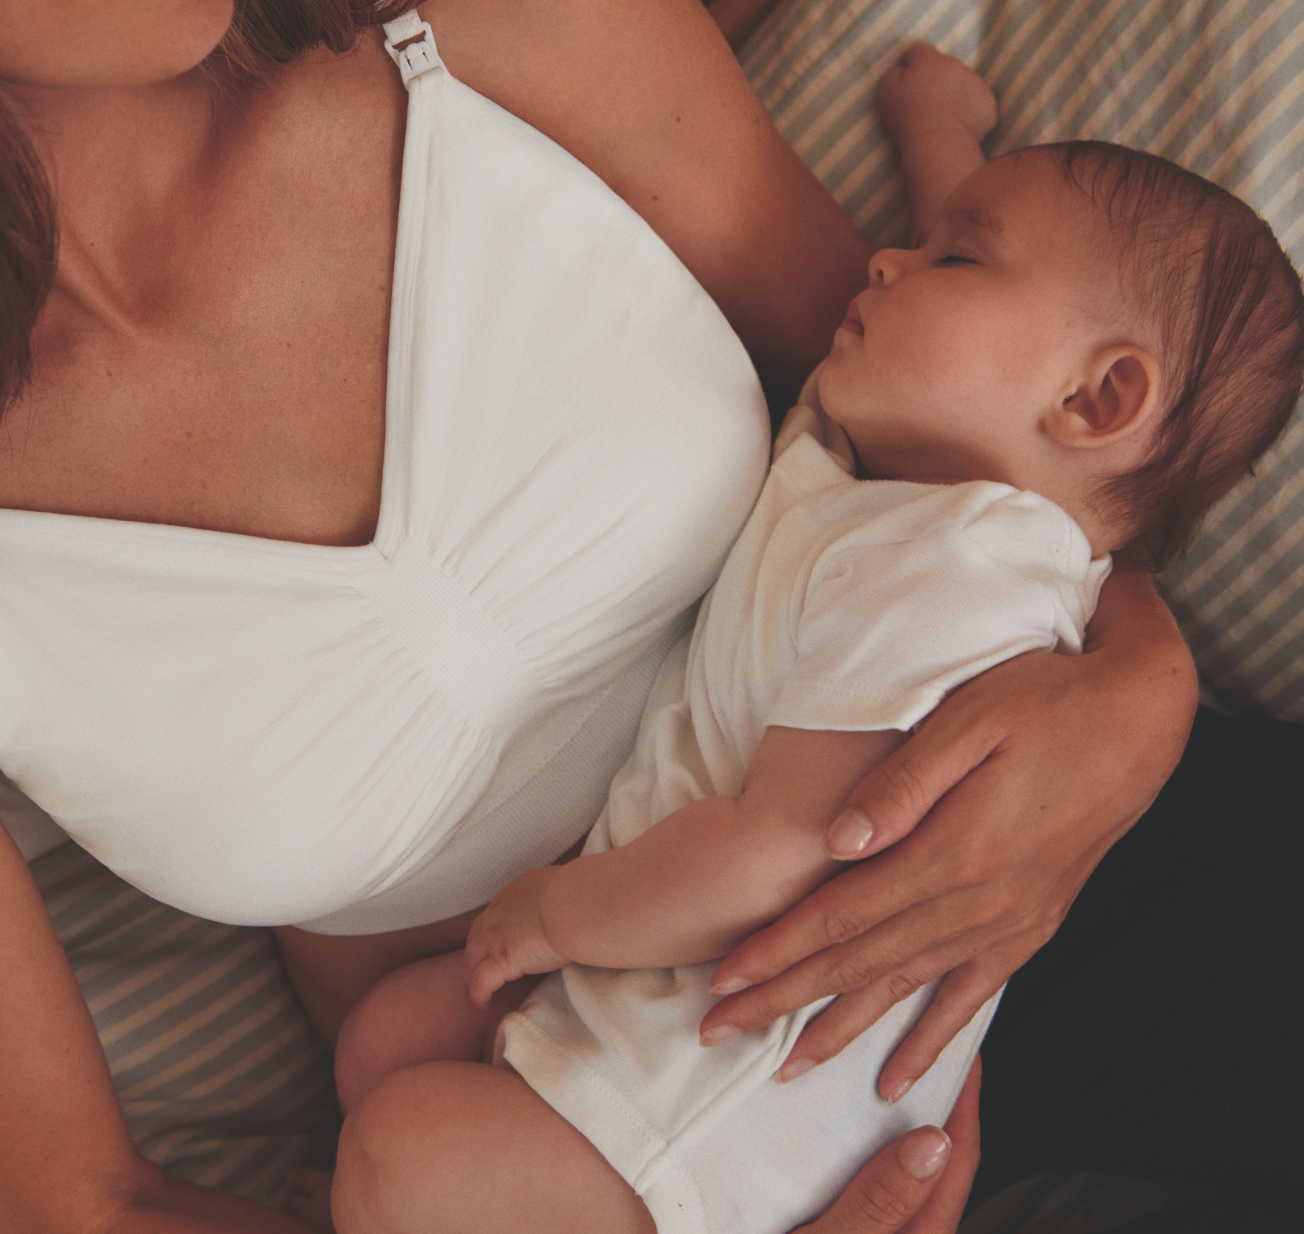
(1087, 348)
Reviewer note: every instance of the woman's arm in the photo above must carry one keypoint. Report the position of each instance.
(67, 1165)
(696, 883)
(1023, 779)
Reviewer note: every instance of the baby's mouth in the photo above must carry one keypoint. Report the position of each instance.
(852, 321)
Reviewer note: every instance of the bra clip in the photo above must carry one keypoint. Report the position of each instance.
(411, 45)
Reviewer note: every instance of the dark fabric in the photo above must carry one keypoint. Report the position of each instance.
(1158, 1034)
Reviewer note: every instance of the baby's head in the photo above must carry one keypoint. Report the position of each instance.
(1086, 321)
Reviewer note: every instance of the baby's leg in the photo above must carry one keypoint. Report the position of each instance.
(464, 1148)
(415, 1015)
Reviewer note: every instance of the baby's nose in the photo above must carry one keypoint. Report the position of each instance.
(885, 265)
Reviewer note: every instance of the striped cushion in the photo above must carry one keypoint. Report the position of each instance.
(221, 1077)
(1216, 85)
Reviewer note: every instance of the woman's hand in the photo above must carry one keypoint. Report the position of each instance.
(916, 1185)
(1026, 775)
(508, 939)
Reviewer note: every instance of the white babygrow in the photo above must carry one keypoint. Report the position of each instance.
(847, 605)
(370, 738)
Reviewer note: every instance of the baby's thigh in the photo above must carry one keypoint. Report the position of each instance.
(458, 1146)
(417, 1014)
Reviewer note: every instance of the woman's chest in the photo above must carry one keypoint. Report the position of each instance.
(275, 431)
(230, 373)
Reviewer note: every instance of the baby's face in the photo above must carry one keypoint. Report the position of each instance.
(948, 361)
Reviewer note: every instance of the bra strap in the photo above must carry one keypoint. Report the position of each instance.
(411, 45)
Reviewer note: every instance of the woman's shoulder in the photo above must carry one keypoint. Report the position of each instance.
(648, 95)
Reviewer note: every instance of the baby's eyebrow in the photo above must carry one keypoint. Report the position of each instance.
(976, 217)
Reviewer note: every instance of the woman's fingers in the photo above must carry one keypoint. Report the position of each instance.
(943, 1209)
(901, 790)
(841, 911)
(891, 1188)
(959, 998)
(965, 985)
(916, 1185)
(896, 922)
(983, 916)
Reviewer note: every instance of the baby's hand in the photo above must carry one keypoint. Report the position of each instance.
(507, 940)
(928, 91)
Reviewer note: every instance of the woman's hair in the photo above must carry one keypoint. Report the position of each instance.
(26, 254)
(267, 33)
(1208, 275)
(263, 35)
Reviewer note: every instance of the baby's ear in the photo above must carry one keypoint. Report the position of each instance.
(1117, 398)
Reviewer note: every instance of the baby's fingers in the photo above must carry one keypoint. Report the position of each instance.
(487, 978)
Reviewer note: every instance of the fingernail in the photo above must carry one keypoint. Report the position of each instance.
(718, 1036)
(925, 1151)
(849, 835)
(900, 1091)
(793, 1069)
(732, 986)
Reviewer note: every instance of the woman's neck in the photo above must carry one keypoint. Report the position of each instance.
(127, 168)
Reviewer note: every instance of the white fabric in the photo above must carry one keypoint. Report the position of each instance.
(371, 738)
(845, 604)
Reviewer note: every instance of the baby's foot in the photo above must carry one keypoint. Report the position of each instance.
(310, 1198)
(929, 90)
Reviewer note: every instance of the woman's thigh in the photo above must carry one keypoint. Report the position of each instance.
(1157, 1034)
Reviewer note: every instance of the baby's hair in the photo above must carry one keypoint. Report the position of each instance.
(1208, 275)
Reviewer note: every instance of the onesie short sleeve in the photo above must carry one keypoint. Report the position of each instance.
(892, 612)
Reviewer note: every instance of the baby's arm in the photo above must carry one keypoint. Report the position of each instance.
(937, 110)
(697, 883)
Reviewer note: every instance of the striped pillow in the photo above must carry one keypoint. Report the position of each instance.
(1215, 85)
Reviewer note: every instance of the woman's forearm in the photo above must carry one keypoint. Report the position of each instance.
(1147, 655)
(63, 1144)
(66, 1161)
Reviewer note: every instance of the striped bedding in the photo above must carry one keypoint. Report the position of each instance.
(220, 1075)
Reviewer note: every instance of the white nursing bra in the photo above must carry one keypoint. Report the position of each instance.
(370, 738)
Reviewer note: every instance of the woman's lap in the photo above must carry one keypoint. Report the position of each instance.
(1156, 1035)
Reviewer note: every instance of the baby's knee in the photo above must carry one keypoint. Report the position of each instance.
(370, 1183)
(414, 1015)
(365, 1049)
(407, 1152)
